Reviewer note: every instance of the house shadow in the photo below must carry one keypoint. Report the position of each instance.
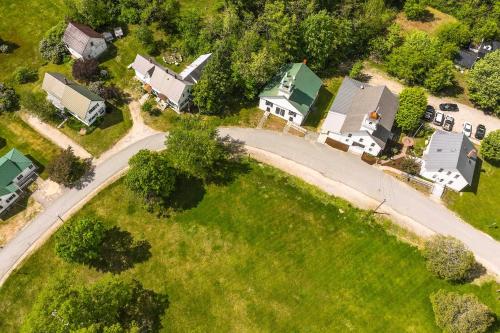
(39, 166)
(475, 179)
(120, 251)
(112, 117)
(19, 205)
(320, 108)
(110, 53)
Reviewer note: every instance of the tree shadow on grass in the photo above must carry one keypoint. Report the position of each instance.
(120, 252)
(227, 170)
(188, 193)
(112, 117)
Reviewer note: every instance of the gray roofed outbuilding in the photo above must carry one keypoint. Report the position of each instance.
(77, 36)
(451, 151)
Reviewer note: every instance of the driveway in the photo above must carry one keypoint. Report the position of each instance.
(466, 113)
(348, 170)
(46, 222)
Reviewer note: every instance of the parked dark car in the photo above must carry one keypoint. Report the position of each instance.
(451, 107)
(449, 121)
(480, 131)
(429, 113)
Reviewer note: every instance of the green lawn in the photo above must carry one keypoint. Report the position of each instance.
(265, 253)
(479, 206)
(15, 133)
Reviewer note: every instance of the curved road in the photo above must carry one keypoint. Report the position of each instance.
(338, 166)
(34, 233)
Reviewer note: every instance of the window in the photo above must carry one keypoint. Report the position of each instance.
(280, 111)
(9, 199)
(269, 104)
(448, 173)
(361, 140)
(435, 176)
(456, 176)
(31, 166)
(290, 118)
(369, 149)
(293, 114)
(439, 150)
(372, 145)
(450, 182)
(349, 135)
(346, 140)
(19, 177)
(440, 170)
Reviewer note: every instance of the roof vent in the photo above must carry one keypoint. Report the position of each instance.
(362, 86)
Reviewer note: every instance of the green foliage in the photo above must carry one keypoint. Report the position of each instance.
(490, 147)
(67, 169)
(148, 105)
(415, 9)
(9, 99)
(412, 104)
(356, 71)
(38, 105)
(145, 36)
(484, 82)
(109, 305)
(456, 33)
(382, 46)
(410, 165)
(51, 46)
(95, 13)
(318, 37)
(213, 90)
(448, 258)
(151, 177)
(80, 241)
(85, 69)
(25, 75)
(440, 77)
(457, 313)
(194, 148)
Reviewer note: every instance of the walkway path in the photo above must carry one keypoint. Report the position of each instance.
(466, 113)
(56, 136)
(348, 171)
(35, 233)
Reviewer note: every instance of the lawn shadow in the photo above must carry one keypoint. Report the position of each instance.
(453, 91)
(228, 170)
(110, 53)
(18, 206)
(120, 252)
(320, 108)
(3, 142)
(39, 166)
(188, 193)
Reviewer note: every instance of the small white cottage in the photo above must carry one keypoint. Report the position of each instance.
(83, 42)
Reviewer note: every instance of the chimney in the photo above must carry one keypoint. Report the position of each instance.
(472, 153)
(304, 61)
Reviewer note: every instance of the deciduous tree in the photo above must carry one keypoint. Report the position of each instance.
(490, 147)
(484, 82)
(412, 104)
(9, 100)
(51, 46)
(67, 169)
(86, 69)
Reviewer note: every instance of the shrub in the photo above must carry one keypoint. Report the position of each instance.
(67, 169)
(357, 70)
(25, 75)
(490, 147)
(412, 104)
(145, 36)
(80, 241)
(37, 104)
(410, 165)
(457, 313)
(4, 48)
(456, 33)
(51, 46)
(86, 70)
(415, 10)
(9, 100)
(448, 258)
(148, 105)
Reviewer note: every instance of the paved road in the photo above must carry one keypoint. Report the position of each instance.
(349, 170)
(34, 231)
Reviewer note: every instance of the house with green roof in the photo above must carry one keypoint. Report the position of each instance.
(73, 98)
(291, 93)
(16, 172)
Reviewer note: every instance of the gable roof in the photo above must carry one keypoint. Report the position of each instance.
(450, 151)
(165, 81)
(193, 72)
(11, 165)
(354, 101)
(306, 86)
(73, 96)
(77, 36)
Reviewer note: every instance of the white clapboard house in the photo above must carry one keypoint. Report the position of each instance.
(83, 42)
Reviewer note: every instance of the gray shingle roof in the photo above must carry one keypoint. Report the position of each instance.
(77, 36)
(355, 100)
(450, 151)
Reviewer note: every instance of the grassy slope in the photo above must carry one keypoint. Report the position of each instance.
(264, 253)
(430, 26)
(481, 209)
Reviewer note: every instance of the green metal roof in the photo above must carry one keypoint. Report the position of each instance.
(11, 165)
(306, 86)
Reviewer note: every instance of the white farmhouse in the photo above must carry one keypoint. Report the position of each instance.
(292, 93)
(73, 98)
(16, 172)
(83, 42)
(360, 118)
(449, 160)
(172, 88)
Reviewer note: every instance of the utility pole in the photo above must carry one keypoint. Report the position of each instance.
(59, 217)
(380, 205)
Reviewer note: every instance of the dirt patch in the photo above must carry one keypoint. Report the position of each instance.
(274, 123)
(16, 222)
(435, 19)
(293, 131)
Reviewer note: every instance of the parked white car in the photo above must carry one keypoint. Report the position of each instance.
(438, 120)
(467, 129)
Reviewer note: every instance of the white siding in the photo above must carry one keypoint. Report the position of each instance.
(94, 48)
(280, 107)
(370, 146)
(99, 110)
(449, 178)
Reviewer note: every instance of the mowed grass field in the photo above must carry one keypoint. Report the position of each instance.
(481, 207)
(265, 253)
